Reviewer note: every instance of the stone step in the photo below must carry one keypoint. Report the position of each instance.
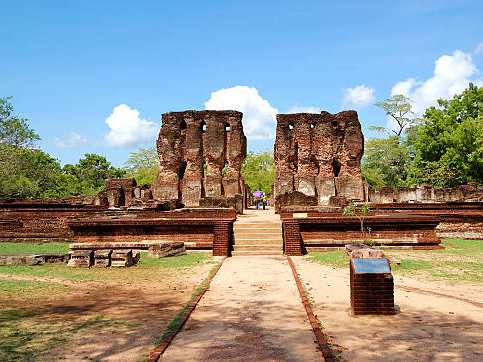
(257, 235)
(238, 226)
(260, 247)
(245, 241)
(253, 253)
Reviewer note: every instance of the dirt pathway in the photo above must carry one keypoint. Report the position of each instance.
(436, 322)
(252, 312)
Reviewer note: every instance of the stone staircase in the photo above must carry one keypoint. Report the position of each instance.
(260, 235)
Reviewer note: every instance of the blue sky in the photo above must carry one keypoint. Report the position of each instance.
(70, 65)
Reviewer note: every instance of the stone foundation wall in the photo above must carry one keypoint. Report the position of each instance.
(322, 232)
(198, 228)
(428, 194)
(40, 220)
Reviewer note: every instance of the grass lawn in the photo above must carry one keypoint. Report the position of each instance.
(148, 268)
(11, 248)
(461, 260)
(42, 315)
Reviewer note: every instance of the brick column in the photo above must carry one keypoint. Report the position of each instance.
(292, 238)
(221, 238)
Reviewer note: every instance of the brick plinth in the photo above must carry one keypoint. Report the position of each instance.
(291, 238)
(222, 236)
(371, 293)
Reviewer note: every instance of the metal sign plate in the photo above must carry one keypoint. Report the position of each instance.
(374, 266)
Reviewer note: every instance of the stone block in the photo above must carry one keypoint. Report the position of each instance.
(325, 189)
(81, 258)
(102, 258)
(122, 258)
(351, 187)
(165, 249)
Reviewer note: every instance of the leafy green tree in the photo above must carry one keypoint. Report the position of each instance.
(143, 165)
(385, 162)
(399, 109)
(448, 145)
(14, 130)
(92, 171)
(259, 171)
(29, 173)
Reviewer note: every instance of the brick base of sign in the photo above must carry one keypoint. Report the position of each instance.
(371, 293)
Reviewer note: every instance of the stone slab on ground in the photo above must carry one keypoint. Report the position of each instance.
(165, 249)
(251, 312)
(437, 321)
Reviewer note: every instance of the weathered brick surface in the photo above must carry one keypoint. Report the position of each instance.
(325, 230)
(57, 221)
(292, 239)
(319, 155)
(416, 226)
(222, 238)
(201, 154)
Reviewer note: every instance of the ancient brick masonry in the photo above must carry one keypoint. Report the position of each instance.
(201, 154)
(319, 155)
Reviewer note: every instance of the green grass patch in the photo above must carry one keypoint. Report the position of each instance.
(11, 248)
(460, 261)
(29, 288)
(463, 247)
(336, 258)
(176, 262)
(147, 268)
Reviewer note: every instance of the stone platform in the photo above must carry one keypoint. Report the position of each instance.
(316, 230)
(195, 228)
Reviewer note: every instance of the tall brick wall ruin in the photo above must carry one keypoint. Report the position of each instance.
(319, 156)
(201, 155)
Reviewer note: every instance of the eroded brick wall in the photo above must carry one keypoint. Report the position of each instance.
(201, 155)
(319, 155)
(43, 221)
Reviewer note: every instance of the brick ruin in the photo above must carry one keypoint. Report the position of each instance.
(318, 157)
(201, 155)
(317, 160)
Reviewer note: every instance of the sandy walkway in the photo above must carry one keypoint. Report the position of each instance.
(251, 312)
(437, 321)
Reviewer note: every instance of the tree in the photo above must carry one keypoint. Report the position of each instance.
(92, 171)
(385, 162)
(143, 165)
(14, 130)
(259, 171)
(448, 145)
(398, 108)
(361, 212)
(29, 174)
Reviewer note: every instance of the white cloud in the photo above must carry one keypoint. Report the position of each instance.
(73, 139)
(127, 128)
(360, 96)
(258, 113)
(478, 49)
(452, 74)
(302, 109)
